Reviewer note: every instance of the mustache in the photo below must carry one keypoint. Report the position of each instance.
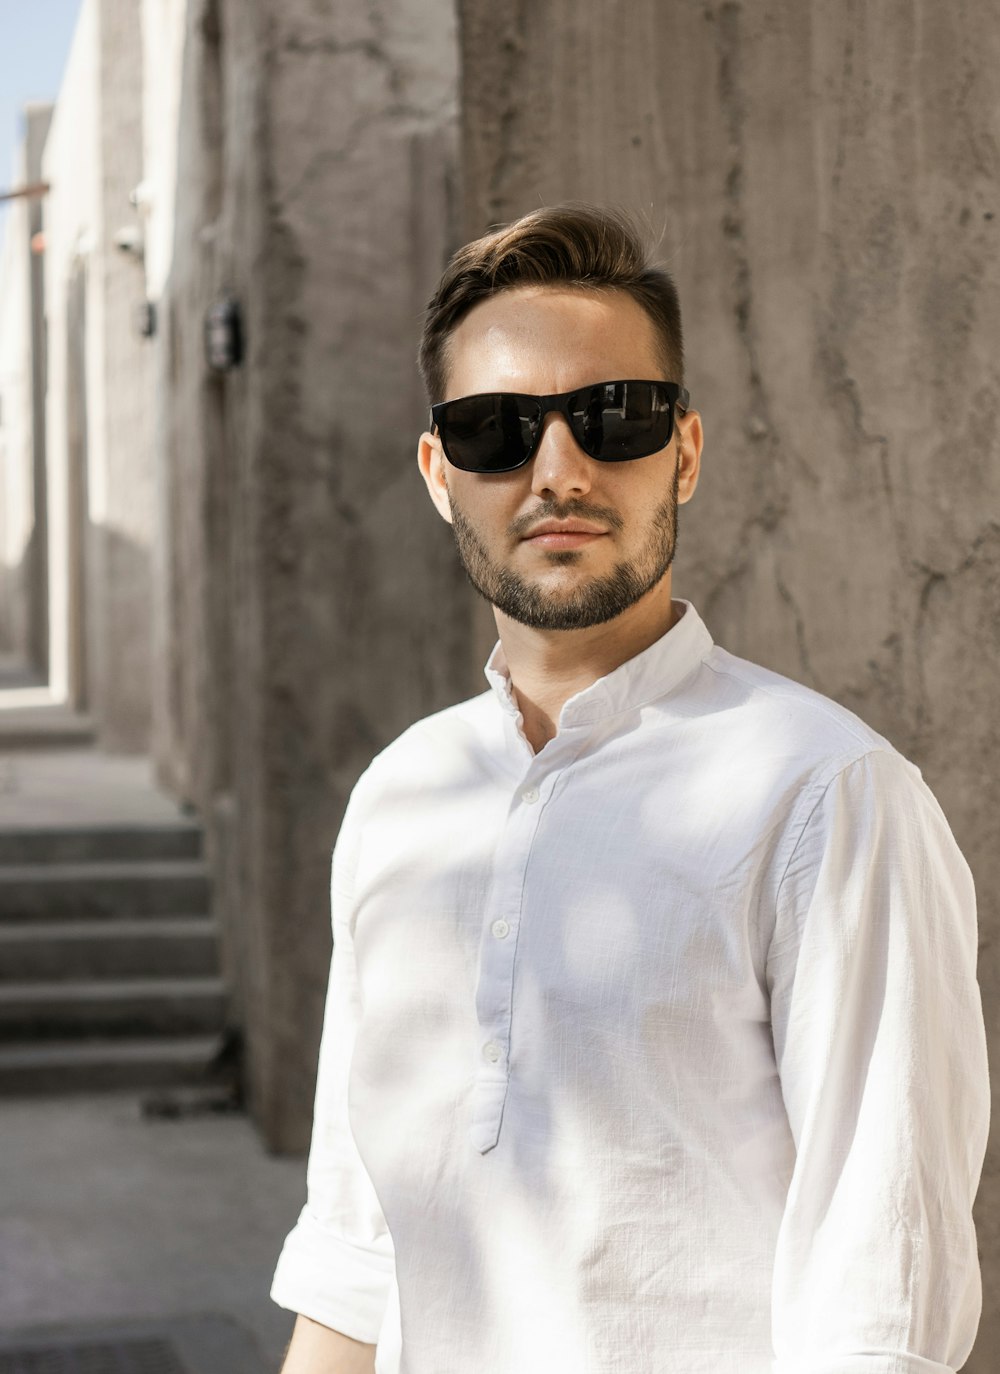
(551, 510)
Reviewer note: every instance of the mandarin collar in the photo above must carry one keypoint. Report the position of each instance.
(634, 683)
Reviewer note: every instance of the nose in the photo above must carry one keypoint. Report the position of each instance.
(560, 468)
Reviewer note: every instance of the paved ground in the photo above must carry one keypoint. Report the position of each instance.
(105, 1215)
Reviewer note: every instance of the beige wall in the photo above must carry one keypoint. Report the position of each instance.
(72, 236)
(825, 181)
(16, 476)
(100, 497)
(23, 499)
(122, 468)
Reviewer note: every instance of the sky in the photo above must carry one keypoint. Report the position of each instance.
(34, 44)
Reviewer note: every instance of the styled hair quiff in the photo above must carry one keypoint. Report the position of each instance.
(574, 244)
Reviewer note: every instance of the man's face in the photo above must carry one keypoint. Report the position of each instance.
(619, 519)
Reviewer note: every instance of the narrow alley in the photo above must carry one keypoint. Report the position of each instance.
(139, 1210)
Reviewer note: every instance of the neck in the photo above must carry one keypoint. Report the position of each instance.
(547, 667)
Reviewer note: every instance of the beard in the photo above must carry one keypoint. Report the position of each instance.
(594, 602)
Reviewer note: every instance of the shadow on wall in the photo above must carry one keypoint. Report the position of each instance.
(18, 612)
(118, 684)
(121, 567)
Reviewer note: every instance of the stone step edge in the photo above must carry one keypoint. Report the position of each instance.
(24, 846)
(75, 830)
(109, 990)
(164, 1049)
(108, 928)
(116, 870)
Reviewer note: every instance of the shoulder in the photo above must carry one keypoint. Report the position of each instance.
(429, 747)
(800, 722)
(433, 750)
(795, 751)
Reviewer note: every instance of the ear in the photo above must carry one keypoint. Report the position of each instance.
(689, 440)
(431, 462)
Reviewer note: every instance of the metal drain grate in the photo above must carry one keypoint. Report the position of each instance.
(104, 1357)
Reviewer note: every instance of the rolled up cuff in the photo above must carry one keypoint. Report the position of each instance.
(335, 1282)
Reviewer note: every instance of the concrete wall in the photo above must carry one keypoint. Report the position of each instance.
(72, 234)
(311, 608)
(16, 477)
(98, 402)
(23, 514)
(122, 466)
(38, 119)
(825, 180)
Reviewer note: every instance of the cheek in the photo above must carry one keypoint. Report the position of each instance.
(489, 504)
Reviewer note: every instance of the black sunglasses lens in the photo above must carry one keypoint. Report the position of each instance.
(620, 420)
(490, 433)
(612, 421)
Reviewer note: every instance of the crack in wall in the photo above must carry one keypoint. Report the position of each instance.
(734, 221)
(805, 662)
(512, 44)
(937, 581)
(415, 119)
(989, 534)
(771, 495)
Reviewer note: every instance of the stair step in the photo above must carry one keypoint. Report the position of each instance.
(93, 1065)
(59, 891)
(123, 1007)
(92, 844)
(153, 946)
(41, 724)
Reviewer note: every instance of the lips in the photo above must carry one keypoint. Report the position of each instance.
(563, 535)
(561, 527)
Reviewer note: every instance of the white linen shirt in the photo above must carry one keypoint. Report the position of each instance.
(660, 1051)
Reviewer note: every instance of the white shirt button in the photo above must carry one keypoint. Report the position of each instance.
(491, 1051)
(529, 795)
(500, 929)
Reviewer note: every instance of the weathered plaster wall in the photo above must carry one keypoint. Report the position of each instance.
(825, 180)
(313, 608)
(121, 478)
(23, 572)
(98, 396)
(74, 326)
(16, 477)
(38, 119)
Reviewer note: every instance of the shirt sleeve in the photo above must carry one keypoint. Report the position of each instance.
(881, 1052)
(337, 1264)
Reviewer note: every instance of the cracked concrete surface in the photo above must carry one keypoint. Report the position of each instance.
(824, 184)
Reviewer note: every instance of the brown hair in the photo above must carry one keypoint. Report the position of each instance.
(574, 244)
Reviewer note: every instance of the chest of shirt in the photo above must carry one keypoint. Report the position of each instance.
(642, 863)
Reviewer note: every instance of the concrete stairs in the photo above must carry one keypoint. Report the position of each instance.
(109, 972)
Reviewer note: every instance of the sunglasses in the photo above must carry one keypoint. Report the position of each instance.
(614, 422)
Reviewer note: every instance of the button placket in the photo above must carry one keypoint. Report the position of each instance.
(498, 951)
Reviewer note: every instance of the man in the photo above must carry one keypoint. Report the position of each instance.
(653, 1041)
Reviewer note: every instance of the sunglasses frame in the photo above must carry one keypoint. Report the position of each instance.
(560, 403)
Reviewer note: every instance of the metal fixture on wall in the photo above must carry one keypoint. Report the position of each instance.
(224, 335)
(145, 319)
